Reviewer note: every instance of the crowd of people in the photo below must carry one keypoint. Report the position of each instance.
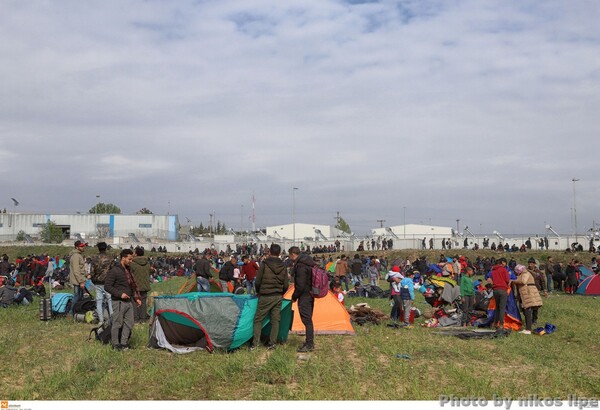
(121, 283)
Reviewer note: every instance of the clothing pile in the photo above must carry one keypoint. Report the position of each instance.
(362, 313)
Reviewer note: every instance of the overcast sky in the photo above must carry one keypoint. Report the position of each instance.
(416, 111)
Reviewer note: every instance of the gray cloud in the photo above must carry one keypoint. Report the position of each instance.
(475, 111)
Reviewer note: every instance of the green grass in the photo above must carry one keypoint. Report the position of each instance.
(54, 361)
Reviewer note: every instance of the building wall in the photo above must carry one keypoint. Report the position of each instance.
(89, 226)
(302, 231)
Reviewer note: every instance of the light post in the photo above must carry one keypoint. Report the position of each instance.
(15, 204)
(97, 202)
(575, 208)
(294, 189)
(404, 209)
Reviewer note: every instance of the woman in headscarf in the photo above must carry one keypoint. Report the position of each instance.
(529, 297)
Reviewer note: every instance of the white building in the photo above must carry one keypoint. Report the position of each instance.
(92, 226)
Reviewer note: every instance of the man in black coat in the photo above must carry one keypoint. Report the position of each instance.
(226, 273)
(202, 271)
(302, 274)
(121, 286)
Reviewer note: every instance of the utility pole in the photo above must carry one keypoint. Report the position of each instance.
(381, 221)
(575, 208)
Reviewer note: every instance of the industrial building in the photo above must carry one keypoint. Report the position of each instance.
(113, 228)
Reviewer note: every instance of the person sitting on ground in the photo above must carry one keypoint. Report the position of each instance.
(7, 293)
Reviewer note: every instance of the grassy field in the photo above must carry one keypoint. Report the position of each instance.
(54, 361)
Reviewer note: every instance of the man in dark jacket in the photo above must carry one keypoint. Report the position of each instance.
(356, 267)
(101, 264)
(271, 283)
(302, 274)
(140, 269)
(121, 286)
(226, 273)
(202, 271)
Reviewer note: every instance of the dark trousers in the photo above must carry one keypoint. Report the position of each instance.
(141, 312)
(267, 306)
(501, 297)
(122, 322)
(531, 316)
(467, 307)
(306, 304)
(396, 308)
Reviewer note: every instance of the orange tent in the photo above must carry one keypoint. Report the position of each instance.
(330, 317)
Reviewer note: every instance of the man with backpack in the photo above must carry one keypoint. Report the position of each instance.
(271, 284)
(101, 264)
(123, 290)
(302, 274)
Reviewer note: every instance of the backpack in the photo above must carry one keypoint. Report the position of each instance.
(102, 333)
(84, 305)
(61, 303)
(320, 282)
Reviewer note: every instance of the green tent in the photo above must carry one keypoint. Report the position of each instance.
(194, 321)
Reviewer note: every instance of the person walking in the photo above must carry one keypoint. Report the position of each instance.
(467, 294)
(271, 284)
(140, 269)
(302, 274)
(77, 272)
(249, 269)
(122, 288)
(101, 264)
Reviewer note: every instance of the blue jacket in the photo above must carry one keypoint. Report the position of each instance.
(407, 289)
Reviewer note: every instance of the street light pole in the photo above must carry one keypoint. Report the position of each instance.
(97, 202)
(294, 189)
(404, 208)
(15, 203)
(575, 208)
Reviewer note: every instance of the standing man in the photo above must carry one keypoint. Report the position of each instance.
(140, 269)
(342, 269)
(121, 286)
(249, 272)
(500, 285)
(226, 273)
(549, 273)
(271, 284)
(77, 273)
(302, 274)
(202, 270)
(101, 264)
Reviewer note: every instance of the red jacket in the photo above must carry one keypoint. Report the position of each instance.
(500, 277)
(249, 270)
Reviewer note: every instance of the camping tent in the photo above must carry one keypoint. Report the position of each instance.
(329, 316)
(194, 321)
(585, 272)
(512, 317)
(590, 286)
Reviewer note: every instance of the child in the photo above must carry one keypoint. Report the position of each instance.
(407, 294)
(467, 294)
(373, 273)
(339, 293)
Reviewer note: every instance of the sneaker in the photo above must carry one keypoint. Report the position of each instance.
(252, 347)
(306, 348)
(525, 332)
(117, 347)
(271, 346)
